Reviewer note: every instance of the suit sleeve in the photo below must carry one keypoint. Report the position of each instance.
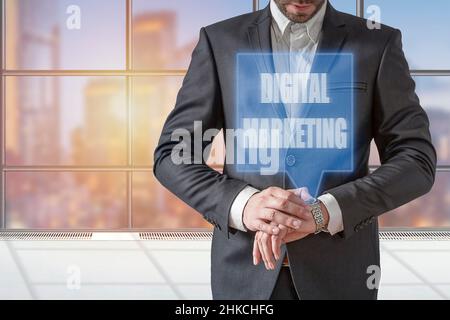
(401, 133)
(199, 100)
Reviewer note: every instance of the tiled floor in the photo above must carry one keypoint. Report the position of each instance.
(151, 269)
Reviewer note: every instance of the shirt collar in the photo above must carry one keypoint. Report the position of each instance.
(313, 25)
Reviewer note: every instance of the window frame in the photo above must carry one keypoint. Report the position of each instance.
(129, 74)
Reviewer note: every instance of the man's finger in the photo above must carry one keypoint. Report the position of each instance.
(261, 250)
(256, 253)
(267, 250)
(261, 225)
(287, 220)
(287, 195)
(286, 206)
(278, 240)
(276, 246)
(280, 218)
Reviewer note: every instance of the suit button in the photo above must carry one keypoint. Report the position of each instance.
(290, 160)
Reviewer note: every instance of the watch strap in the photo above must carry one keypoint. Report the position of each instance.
(316, 211)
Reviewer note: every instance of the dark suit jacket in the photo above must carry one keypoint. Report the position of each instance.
(386, 109)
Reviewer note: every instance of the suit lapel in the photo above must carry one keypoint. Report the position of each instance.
(261, 42)
(333, 36)
(260, 38)
(331, 41)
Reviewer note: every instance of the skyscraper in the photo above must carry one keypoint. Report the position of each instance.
(33, 103)
(153, 38)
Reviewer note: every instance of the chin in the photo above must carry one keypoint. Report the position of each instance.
(300, 18)
(299, 15)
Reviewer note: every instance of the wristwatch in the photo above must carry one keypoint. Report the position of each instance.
(317, 214)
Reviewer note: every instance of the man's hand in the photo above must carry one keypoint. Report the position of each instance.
(276, 205)
(267, 247)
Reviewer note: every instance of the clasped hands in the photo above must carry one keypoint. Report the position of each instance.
(278, 216)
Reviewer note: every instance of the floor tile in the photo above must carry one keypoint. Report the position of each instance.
(198, 292)
(393, 272)
(185, 267)
(433, 266)
(12, 284)
(411, 292)
(108, 292)
(94, 266)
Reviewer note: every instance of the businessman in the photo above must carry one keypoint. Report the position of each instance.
(310, 248)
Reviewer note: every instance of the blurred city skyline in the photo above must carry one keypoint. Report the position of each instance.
(82, 120)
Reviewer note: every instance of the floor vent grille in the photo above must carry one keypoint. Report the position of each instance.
(190, 235)
(415, 235)
(206, 235)
(32, 236)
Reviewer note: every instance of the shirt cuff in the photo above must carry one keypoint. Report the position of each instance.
(237, 208)
(335, 224)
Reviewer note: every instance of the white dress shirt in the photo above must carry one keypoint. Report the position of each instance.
(301, 38)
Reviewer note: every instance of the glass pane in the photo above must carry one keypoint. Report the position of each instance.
(62, 34)
(426, 36)
(66, 121)
(155, 207)
(431, 210)
(348, 6)
(165, 32)
(434, 93)
(153, 99)
(66, 200)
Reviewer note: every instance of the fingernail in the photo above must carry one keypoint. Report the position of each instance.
(254, 261)
(297, 224)
(275, 230)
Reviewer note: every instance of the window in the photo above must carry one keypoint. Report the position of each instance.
(426, 36)
(426, 43)
(42, 35)
(172, 28)
(434, 94)
(429, 211)
(86, 85)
